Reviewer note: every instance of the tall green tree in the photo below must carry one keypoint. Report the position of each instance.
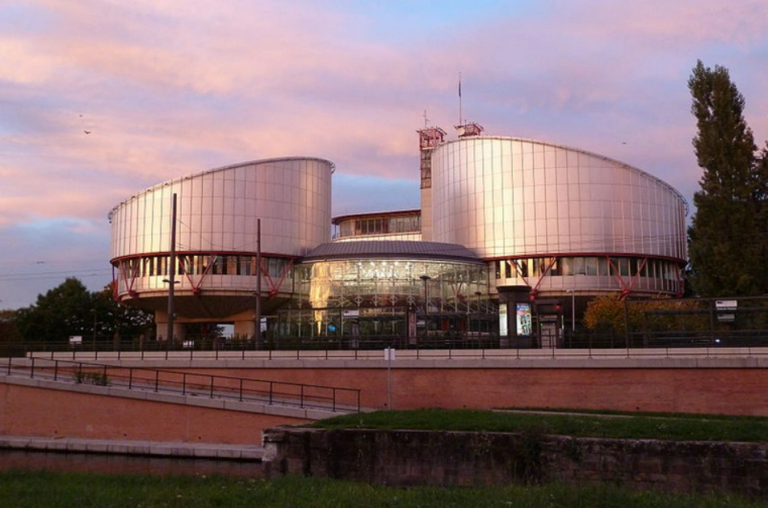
(10, 338)
(112, 320)
(62, 312)
(727, 241)
(70, 309)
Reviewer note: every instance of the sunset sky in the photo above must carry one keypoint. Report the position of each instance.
(100, 99)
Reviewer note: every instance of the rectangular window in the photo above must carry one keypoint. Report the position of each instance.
(590, 266)
(602, 266)
(162, 266)
(275, 267)
(254, 270)
(614, 266)
(245, 265)
(206, 262)
(624, 267)
(218, 265)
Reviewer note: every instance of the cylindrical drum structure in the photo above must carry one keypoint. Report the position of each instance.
(556, 218)
(216, 239)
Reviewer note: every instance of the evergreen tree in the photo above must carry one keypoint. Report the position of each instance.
(726, 238)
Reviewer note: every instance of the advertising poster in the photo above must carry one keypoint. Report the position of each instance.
(523, 315)
(503, 332)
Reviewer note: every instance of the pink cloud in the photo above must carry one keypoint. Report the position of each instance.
(175, 87)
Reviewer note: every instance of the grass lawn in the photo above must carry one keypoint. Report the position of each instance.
(631, 426)
(23, 489)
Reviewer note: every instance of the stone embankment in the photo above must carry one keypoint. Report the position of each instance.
(441, 458)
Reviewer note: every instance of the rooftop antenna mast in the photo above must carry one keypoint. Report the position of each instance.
(461, 116)
(426, 120)
(466, 129)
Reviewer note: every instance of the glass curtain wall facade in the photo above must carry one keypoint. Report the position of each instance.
(405, 298)
(402, 225)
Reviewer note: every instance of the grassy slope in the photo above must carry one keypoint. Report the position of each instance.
(669, 427)
(21, 489)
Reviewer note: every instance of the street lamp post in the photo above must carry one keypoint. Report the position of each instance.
(171, 276)
(425, 279)
(94, 330)
(573, 308)
(257, 310)
(477, 295)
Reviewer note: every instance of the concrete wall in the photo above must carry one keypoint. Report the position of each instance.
(714, 387)
(405, 458)
(40, 412)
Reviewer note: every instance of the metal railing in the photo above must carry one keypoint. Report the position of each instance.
(417, 354)
(570, 344)
(247, 390)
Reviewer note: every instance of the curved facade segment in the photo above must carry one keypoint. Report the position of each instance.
(216, 234)
(505, 197)
(556, 219)
(217, 210)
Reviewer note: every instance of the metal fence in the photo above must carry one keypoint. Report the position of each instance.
(247, 390)
(641, 328)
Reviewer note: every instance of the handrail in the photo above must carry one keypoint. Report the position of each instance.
(267, 391)
(589, 350)
(570, 343)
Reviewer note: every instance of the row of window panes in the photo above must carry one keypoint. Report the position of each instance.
(194, 264)
(380, 225)
(606, 266)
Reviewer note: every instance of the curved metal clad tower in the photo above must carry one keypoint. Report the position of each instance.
(216, 238)
(558, 219)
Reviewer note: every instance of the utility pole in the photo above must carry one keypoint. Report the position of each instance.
(258, 284)
(171, 275)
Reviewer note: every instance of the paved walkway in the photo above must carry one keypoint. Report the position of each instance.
(146, 448)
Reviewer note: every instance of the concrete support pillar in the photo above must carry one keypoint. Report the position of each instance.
(179, 331)
(245, 329)
(511, 296)
(161, 323)
(426, 214)
(161, 320)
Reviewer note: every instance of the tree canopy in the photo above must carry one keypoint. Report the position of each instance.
(70, 310)
(727, 240)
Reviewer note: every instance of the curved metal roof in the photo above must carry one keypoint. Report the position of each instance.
(216, 170)
(391, 249)
(572, 149)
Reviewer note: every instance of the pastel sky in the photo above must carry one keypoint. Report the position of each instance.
(168, 88)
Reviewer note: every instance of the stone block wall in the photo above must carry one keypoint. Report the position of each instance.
(407, 458)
